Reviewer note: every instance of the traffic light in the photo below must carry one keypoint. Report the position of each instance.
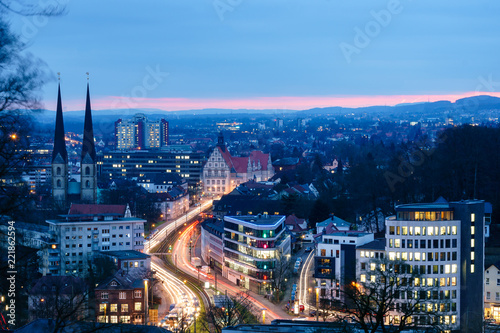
(170, 248)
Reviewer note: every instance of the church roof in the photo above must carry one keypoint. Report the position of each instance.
(59, 140)
(88, 146)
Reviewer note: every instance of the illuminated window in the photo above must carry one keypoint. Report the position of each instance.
(472, 230)
(137, 306)
(473, 217)
(113, 308)
(362, 278)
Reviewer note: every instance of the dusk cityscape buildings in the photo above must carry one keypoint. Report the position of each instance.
(249, 167)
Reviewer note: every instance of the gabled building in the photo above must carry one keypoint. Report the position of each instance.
(172, 203)
(122, 298)
(492, 292)
(223, 172)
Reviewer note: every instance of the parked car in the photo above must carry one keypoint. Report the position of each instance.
(309, 249)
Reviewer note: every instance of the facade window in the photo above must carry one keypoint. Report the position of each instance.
(87, 171)
(488, 295)
(137, 293)
(138, 306)
(113, 308)
(59, 183)
(104, 295)
(124, 308)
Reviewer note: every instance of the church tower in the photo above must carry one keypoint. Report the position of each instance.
(59, 159)
(88, 173)
(220, 141)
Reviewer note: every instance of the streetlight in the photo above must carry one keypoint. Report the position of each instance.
(317, 300)
(146, 301)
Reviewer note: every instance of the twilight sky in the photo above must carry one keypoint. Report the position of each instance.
(274, 54)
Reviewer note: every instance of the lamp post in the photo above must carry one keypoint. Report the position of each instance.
(146, 301)
(317, 300)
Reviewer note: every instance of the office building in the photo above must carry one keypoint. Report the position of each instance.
(181, 160)
(141, 133)
(445, 242)
(253, 247)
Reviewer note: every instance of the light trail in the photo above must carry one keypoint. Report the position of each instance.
(181, 248)
(303, 281)
(175, 287)
(165, 229)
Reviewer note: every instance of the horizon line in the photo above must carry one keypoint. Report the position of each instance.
(293, 103)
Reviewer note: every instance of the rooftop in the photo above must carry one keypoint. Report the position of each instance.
(262, 220)
(127, 254)
(377, 244)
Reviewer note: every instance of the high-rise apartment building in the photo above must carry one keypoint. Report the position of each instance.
(141, 133)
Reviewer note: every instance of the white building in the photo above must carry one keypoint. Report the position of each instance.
(445, 242)
(89, 228)
(212, 246)
(492, 292)
(172, 204)
(335, 260)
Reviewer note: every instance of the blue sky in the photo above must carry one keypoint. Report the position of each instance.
(265, 53)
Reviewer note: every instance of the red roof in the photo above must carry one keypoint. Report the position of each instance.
(88, 209)
(295, 222)
(240, 164)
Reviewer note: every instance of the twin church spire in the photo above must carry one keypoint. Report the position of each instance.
(61, 191)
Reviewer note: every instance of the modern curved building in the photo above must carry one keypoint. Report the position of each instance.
(253, 249)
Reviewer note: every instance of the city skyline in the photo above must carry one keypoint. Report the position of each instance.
(240, 54)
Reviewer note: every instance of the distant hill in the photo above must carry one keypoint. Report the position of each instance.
(465, 105)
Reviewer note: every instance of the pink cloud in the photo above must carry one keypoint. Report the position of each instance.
(280, 102)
